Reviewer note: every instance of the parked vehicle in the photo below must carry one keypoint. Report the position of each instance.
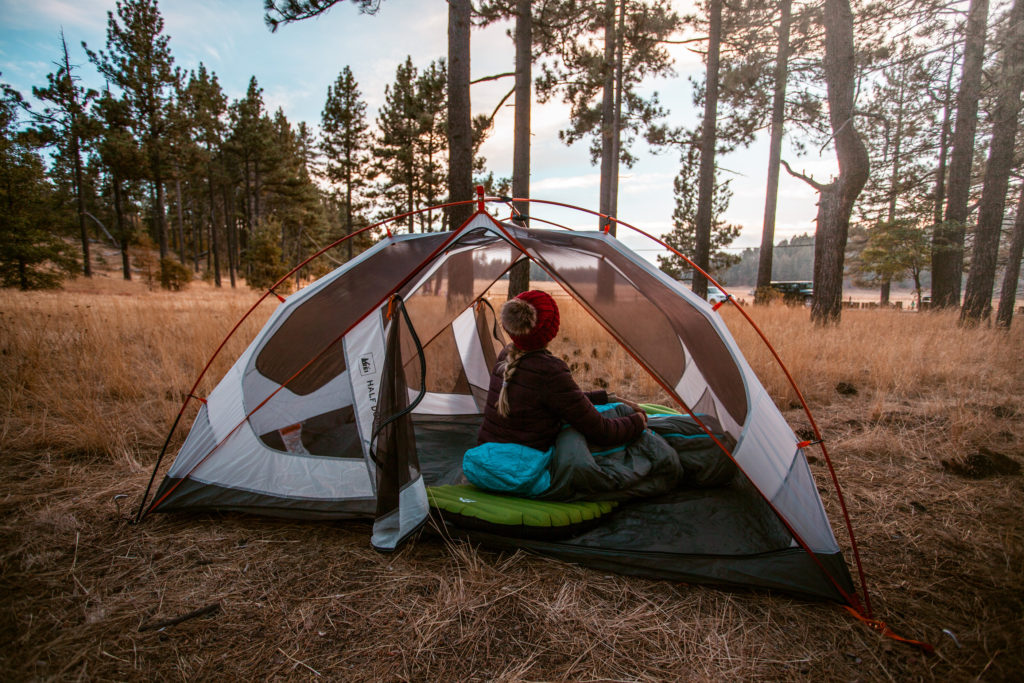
(715, 295)
(795, 291)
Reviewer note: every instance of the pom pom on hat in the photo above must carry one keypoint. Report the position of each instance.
(531, 319)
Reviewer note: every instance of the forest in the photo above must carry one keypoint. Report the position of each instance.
(919, 101)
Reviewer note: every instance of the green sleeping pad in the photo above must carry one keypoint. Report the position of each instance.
(466, 506)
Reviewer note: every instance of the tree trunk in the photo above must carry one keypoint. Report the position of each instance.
(181, 221)
(894, 180)
(76, 156)
(257, 190)
(940, 171)
(708, 140)
(948, 240)
(460, 134)
(122, 228)
(158, 205)
(982, 275)
(197, 239)
(230, 234)
(764, 264)
(1008, 295)
(214, 242)
(828, 290)
(837, 199)
(607, 114)
(613, 204)
(80, 202)
(348, 200)
(519, 276)
(460, 142)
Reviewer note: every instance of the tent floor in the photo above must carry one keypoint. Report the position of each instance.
(726, 535)
(727, 520)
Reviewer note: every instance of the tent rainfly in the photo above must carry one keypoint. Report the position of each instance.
(367, 386)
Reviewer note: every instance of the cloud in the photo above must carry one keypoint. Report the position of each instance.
(586, 180)
(82, 14)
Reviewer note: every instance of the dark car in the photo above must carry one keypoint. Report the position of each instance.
(795, 291)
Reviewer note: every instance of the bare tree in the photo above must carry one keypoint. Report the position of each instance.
(519, 276)
(836, 199)
(948, 240)
(764, 266)
(1008, 295)
(709, 130)
(981, 278)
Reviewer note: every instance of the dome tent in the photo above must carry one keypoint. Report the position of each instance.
(365, 388)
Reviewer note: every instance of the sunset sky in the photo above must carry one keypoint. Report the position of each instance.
(295, 66)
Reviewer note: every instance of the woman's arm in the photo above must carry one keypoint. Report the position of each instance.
(565, 399)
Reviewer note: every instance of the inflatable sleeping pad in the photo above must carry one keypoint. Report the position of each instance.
(466, 506)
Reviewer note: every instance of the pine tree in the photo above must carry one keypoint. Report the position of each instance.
(537, 29)
(292, 199)
(31, 255)
(250, 157)
(431, 145)
(896, 249)
(398, 125)
(602, 55)
(683, 236)
(138, 62)
(206, 104)
(67, 125)
(122, 158)
(778, 117)
(345, 142)
(277, 12)
(899, 136)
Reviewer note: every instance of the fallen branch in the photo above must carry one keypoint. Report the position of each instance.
(163, 623)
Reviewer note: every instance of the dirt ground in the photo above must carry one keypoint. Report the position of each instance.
(82, 587)
(923, 421)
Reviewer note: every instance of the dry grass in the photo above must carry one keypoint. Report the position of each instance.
(92, 379)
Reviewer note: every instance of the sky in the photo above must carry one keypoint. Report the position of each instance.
(295, 65)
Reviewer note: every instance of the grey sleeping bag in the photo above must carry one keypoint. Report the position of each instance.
(672, 452)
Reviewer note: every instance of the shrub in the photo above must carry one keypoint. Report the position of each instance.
(173, 275)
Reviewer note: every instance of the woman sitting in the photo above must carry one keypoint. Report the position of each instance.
(531, 396)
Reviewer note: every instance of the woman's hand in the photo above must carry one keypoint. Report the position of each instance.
(612, 398)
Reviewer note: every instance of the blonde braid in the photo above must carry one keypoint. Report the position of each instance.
(515, 354)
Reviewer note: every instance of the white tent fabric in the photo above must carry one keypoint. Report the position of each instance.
(264, 443)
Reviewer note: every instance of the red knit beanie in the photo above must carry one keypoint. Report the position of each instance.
(531, 319)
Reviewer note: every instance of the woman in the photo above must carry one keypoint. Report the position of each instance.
(532, 392)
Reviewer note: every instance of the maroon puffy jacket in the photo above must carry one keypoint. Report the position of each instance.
(542, 395)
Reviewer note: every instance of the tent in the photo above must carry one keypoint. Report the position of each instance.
(365, 387)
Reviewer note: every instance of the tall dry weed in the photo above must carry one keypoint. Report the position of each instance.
(106, 373)
(100, 371)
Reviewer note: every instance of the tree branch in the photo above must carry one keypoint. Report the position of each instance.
(807, 179)
(490, 119)
(495, 77)
(682, 42)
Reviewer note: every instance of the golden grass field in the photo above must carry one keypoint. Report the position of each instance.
(92, 378)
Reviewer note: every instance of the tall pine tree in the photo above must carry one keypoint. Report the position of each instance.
(138, 62)
(66, 123)
(345, 142)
